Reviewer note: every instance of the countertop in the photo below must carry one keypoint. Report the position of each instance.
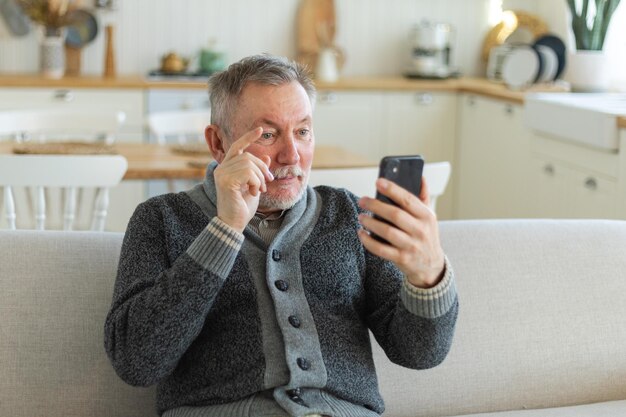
(473, 85)
(478, 86)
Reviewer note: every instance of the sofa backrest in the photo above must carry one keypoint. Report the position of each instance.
(542, 307)
(55, 292)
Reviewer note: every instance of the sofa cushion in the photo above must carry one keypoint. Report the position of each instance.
(55, 291)
(604, 409)
(541, 320)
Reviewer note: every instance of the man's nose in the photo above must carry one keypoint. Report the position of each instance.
(288, 152)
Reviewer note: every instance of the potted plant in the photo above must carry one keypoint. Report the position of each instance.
(590, 23)
(53, 16)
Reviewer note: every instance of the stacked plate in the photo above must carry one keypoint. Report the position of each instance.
(541, 62)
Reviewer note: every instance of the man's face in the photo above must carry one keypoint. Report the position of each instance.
(285, 114)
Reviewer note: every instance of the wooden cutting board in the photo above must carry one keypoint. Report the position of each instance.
(314, 17)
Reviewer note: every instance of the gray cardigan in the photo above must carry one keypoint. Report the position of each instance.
(215, 318)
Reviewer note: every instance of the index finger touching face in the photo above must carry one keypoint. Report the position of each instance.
(243, 142)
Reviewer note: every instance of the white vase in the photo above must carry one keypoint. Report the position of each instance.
(327, 65)
(587, 71)
(52, 57)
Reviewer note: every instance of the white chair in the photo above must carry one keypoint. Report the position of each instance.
(362, 181)
(43, 125)
(68, 172)
(179, 126)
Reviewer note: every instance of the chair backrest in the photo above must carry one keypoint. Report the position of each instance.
(361, 181)
(46, 124)
(67, 172)
(181, 126)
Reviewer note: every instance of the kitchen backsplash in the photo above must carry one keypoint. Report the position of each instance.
(374, 33)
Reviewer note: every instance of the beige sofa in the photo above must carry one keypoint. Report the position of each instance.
(542, 325)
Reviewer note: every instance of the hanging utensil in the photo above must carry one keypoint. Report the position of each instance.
(15, 19)
(79, 34)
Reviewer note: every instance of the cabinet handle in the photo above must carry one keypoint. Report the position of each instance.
(329, 97)
(424, 98)
(549, 169)
(509, 109)
(591, 183)
(63, 95)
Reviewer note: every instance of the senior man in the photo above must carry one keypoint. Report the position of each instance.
(252, 294)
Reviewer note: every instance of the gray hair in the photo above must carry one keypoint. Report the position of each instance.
(225, 87)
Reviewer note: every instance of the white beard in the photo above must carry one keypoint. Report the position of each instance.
(267, 201)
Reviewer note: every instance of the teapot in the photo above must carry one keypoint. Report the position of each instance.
(173, 63)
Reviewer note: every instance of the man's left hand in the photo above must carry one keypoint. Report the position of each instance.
(413, 235)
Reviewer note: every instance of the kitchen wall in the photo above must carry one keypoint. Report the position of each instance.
(374, 33)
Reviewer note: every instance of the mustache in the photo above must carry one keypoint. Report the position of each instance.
(288, 171)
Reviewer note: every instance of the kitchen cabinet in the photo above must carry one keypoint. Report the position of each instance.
(130, 101)
(379, 123)
(571, 181)
(126, 196)
(506, 170)
(423, 123)
(351, 120)
(492, 159)
(160, 99)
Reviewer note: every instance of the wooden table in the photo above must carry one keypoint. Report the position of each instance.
(151, 162)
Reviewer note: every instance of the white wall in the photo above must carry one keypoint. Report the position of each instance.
(373, 32)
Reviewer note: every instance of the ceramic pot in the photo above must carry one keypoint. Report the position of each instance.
(587, 71)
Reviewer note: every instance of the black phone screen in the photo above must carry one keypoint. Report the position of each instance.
(406, 171)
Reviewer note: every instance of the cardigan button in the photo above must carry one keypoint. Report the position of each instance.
(294, 395)
(276, 255)
(304, 364)
(294, 321)
(282, 285)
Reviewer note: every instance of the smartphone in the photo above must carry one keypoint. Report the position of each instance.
(406, 171)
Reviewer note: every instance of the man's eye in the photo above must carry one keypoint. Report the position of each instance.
(304, 132)
(267, 135)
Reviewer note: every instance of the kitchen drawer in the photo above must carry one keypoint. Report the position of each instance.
(563, 190)
(603, 162)
(169, 100)
(130, 101)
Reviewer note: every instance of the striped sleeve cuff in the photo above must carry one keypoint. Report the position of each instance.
(431, 302)
(216, 248)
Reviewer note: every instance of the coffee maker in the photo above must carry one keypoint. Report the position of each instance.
(430, 45)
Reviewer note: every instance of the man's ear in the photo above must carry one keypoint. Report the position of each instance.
(215, 140)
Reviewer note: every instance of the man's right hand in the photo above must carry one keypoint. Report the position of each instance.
(240, 179)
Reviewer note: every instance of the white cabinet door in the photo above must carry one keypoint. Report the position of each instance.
(130, 101)
(493, 157)
(547, 196)
(423, 123)
(351, 120)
